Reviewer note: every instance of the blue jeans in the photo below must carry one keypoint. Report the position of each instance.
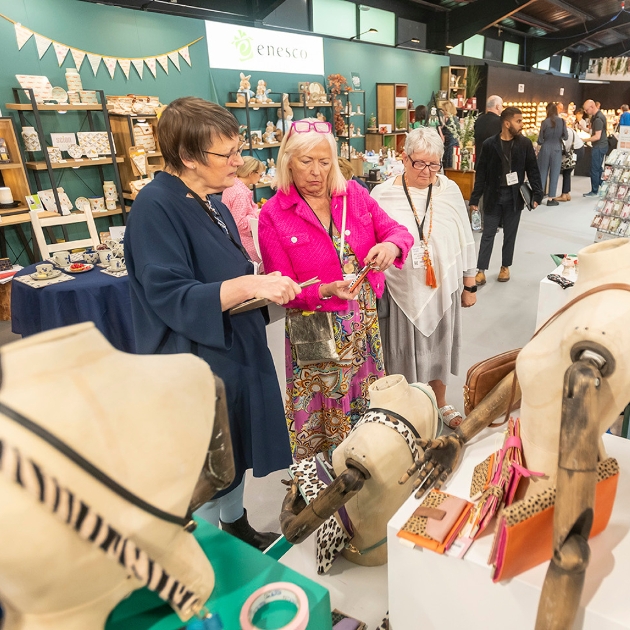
(597, 162)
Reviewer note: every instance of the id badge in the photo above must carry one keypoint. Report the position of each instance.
(512, 178)
(417, 254)
(350, 276)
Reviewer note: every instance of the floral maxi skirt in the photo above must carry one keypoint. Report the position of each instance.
(325, 400)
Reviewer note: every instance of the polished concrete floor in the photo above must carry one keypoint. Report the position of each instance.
(503, 318)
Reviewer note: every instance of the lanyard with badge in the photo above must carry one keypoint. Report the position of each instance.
(216, 218)
(512, 176)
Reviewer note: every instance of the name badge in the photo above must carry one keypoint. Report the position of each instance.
(417, 255)
(350, 276)
(512, 178)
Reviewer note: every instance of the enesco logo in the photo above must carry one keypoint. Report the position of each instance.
(243, 43)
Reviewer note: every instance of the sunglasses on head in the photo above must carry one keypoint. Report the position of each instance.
(304, 126)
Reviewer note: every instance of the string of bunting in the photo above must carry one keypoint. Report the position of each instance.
(43, 43)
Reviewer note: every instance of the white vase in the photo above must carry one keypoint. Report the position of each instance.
(31, 139)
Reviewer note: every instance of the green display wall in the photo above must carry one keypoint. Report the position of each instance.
(113, 31)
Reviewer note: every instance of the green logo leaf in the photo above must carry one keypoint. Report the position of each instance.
(243, 43)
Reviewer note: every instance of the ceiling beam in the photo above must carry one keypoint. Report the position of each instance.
(565, 6)
(466, 21)
(532, 21)
(262, 8)
(434, 7)
(614, 50)
(541, 47)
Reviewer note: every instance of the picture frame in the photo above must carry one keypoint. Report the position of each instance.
(356, 80)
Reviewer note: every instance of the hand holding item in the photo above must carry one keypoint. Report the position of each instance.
(277, 288)
(383, 255)
(440, 458)
(340, 289)
(535, 204)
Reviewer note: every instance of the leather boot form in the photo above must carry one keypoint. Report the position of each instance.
(245, 532)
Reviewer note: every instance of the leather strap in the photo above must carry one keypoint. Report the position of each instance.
(611, 286)
(89, 468)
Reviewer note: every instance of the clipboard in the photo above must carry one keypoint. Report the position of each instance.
(250, 305)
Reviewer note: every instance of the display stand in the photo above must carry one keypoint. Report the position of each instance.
(392, 109)
(351, 116)
(239, 571)
(612, 211)
(427, 590)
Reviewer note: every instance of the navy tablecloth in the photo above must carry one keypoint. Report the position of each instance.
(92, 296)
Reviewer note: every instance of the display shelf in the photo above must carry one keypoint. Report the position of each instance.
(350, 137)
(72, 163)
(266, 145)
(311, 104)
(250, 105)
(453, 81)
(390, 111)
(64, 107)
(6, 167)
(5, 212)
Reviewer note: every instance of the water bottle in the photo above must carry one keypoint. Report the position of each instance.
(475, 220)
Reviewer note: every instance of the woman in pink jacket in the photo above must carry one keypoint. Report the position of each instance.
(303, 234)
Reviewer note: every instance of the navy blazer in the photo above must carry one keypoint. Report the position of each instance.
(490, 172)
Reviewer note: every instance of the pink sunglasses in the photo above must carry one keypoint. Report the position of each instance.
(304, 126)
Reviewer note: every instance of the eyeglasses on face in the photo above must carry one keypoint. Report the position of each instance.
(304, 126)
(229, 156)
(420, 165)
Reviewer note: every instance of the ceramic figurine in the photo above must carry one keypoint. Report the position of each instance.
(320, 116)
(358, 132)
(271, 167)
(359, 110)
(269, 136)
(261, 93)
(283, 124)
(244, 93)
(351, 129)
(372, 122)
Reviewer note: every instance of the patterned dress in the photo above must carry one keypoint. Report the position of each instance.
(325, 400)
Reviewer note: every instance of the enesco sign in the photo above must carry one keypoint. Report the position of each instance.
(246, 48)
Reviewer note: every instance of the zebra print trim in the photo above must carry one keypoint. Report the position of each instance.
(93, 528)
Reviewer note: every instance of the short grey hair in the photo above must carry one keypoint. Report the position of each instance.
(425, 140)
(493, 101)
(295, 144)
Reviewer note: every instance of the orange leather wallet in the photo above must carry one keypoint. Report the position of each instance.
(524, 537)
(437, 521)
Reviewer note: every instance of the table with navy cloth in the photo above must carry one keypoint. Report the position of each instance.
(93, 296)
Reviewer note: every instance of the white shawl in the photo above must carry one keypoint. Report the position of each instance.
(451, 246)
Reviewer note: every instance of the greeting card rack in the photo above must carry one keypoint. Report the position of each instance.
(37, 166)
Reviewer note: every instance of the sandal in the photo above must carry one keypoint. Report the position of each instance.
(450, 416)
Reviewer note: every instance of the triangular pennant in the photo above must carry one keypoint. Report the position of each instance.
(185, 53)
(95, 62)
(163, 61)
(138, 64)
(61, 51)
(110, 64)
(42, 44)
(22, 34)
(174, 57)
(78, 56)
(125, 65)
(152, 65)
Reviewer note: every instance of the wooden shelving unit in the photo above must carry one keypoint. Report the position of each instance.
(390, 111)
(453, 81)
(13, 174)
(72, 163)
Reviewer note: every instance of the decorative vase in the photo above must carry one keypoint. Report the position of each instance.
(466, 160)
(31, 139)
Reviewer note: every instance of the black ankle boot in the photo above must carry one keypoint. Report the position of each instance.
(245, 532)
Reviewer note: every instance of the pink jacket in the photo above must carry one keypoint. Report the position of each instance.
(240, 201)
(294, 242)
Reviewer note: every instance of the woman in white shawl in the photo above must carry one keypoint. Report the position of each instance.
(421, 309)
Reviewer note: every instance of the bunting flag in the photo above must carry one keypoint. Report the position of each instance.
(61, 51)
(125, 66)
(95, 62)
(152, 65)
(174, 57)
(138, 64)
(184, 52)
(22, 34)
(43, 43)
(163, 61)
(110, 64)
(78, 56)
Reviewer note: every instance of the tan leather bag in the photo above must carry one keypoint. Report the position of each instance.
(483, 376)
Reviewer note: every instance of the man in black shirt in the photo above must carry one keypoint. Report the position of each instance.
(599, 142)
(501, 168)
(488, 124)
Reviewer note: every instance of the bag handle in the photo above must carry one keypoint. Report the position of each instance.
(612, 286)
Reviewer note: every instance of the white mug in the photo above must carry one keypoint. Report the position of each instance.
(5, 195)
(45, 269)
(106, 255)
(117, 264)
(62, 258)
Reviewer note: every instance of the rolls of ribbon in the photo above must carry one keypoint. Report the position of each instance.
(277, 591)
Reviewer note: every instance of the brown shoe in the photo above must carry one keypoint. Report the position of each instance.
(504, 274)
(480, 278)
(568, 196)
(563, 197)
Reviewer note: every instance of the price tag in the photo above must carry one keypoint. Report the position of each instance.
(417, 254)
(512, 178)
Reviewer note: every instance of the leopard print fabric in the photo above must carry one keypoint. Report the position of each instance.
(384, 625)
(526, 508)
(480, 478)
(392, 423)
(418, 524)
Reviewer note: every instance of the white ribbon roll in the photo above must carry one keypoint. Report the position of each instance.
(277, 591)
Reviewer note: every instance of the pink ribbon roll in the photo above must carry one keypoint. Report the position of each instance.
(277, 591)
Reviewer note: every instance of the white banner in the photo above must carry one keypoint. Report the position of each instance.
(138, 64)
(22, 34)
(246, 48)
(78, 56)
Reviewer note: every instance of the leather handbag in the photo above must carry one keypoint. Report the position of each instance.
(312, 335)
(524, 537)
(485, 375)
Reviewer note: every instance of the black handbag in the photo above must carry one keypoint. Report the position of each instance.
(527, 194)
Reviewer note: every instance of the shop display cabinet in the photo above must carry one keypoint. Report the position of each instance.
(352, 117)
(13, 174)
(124, 138)
(37, 166)
(453, 82)
(392, 110)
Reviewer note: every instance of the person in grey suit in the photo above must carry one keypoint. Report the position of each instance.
(552, 133)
